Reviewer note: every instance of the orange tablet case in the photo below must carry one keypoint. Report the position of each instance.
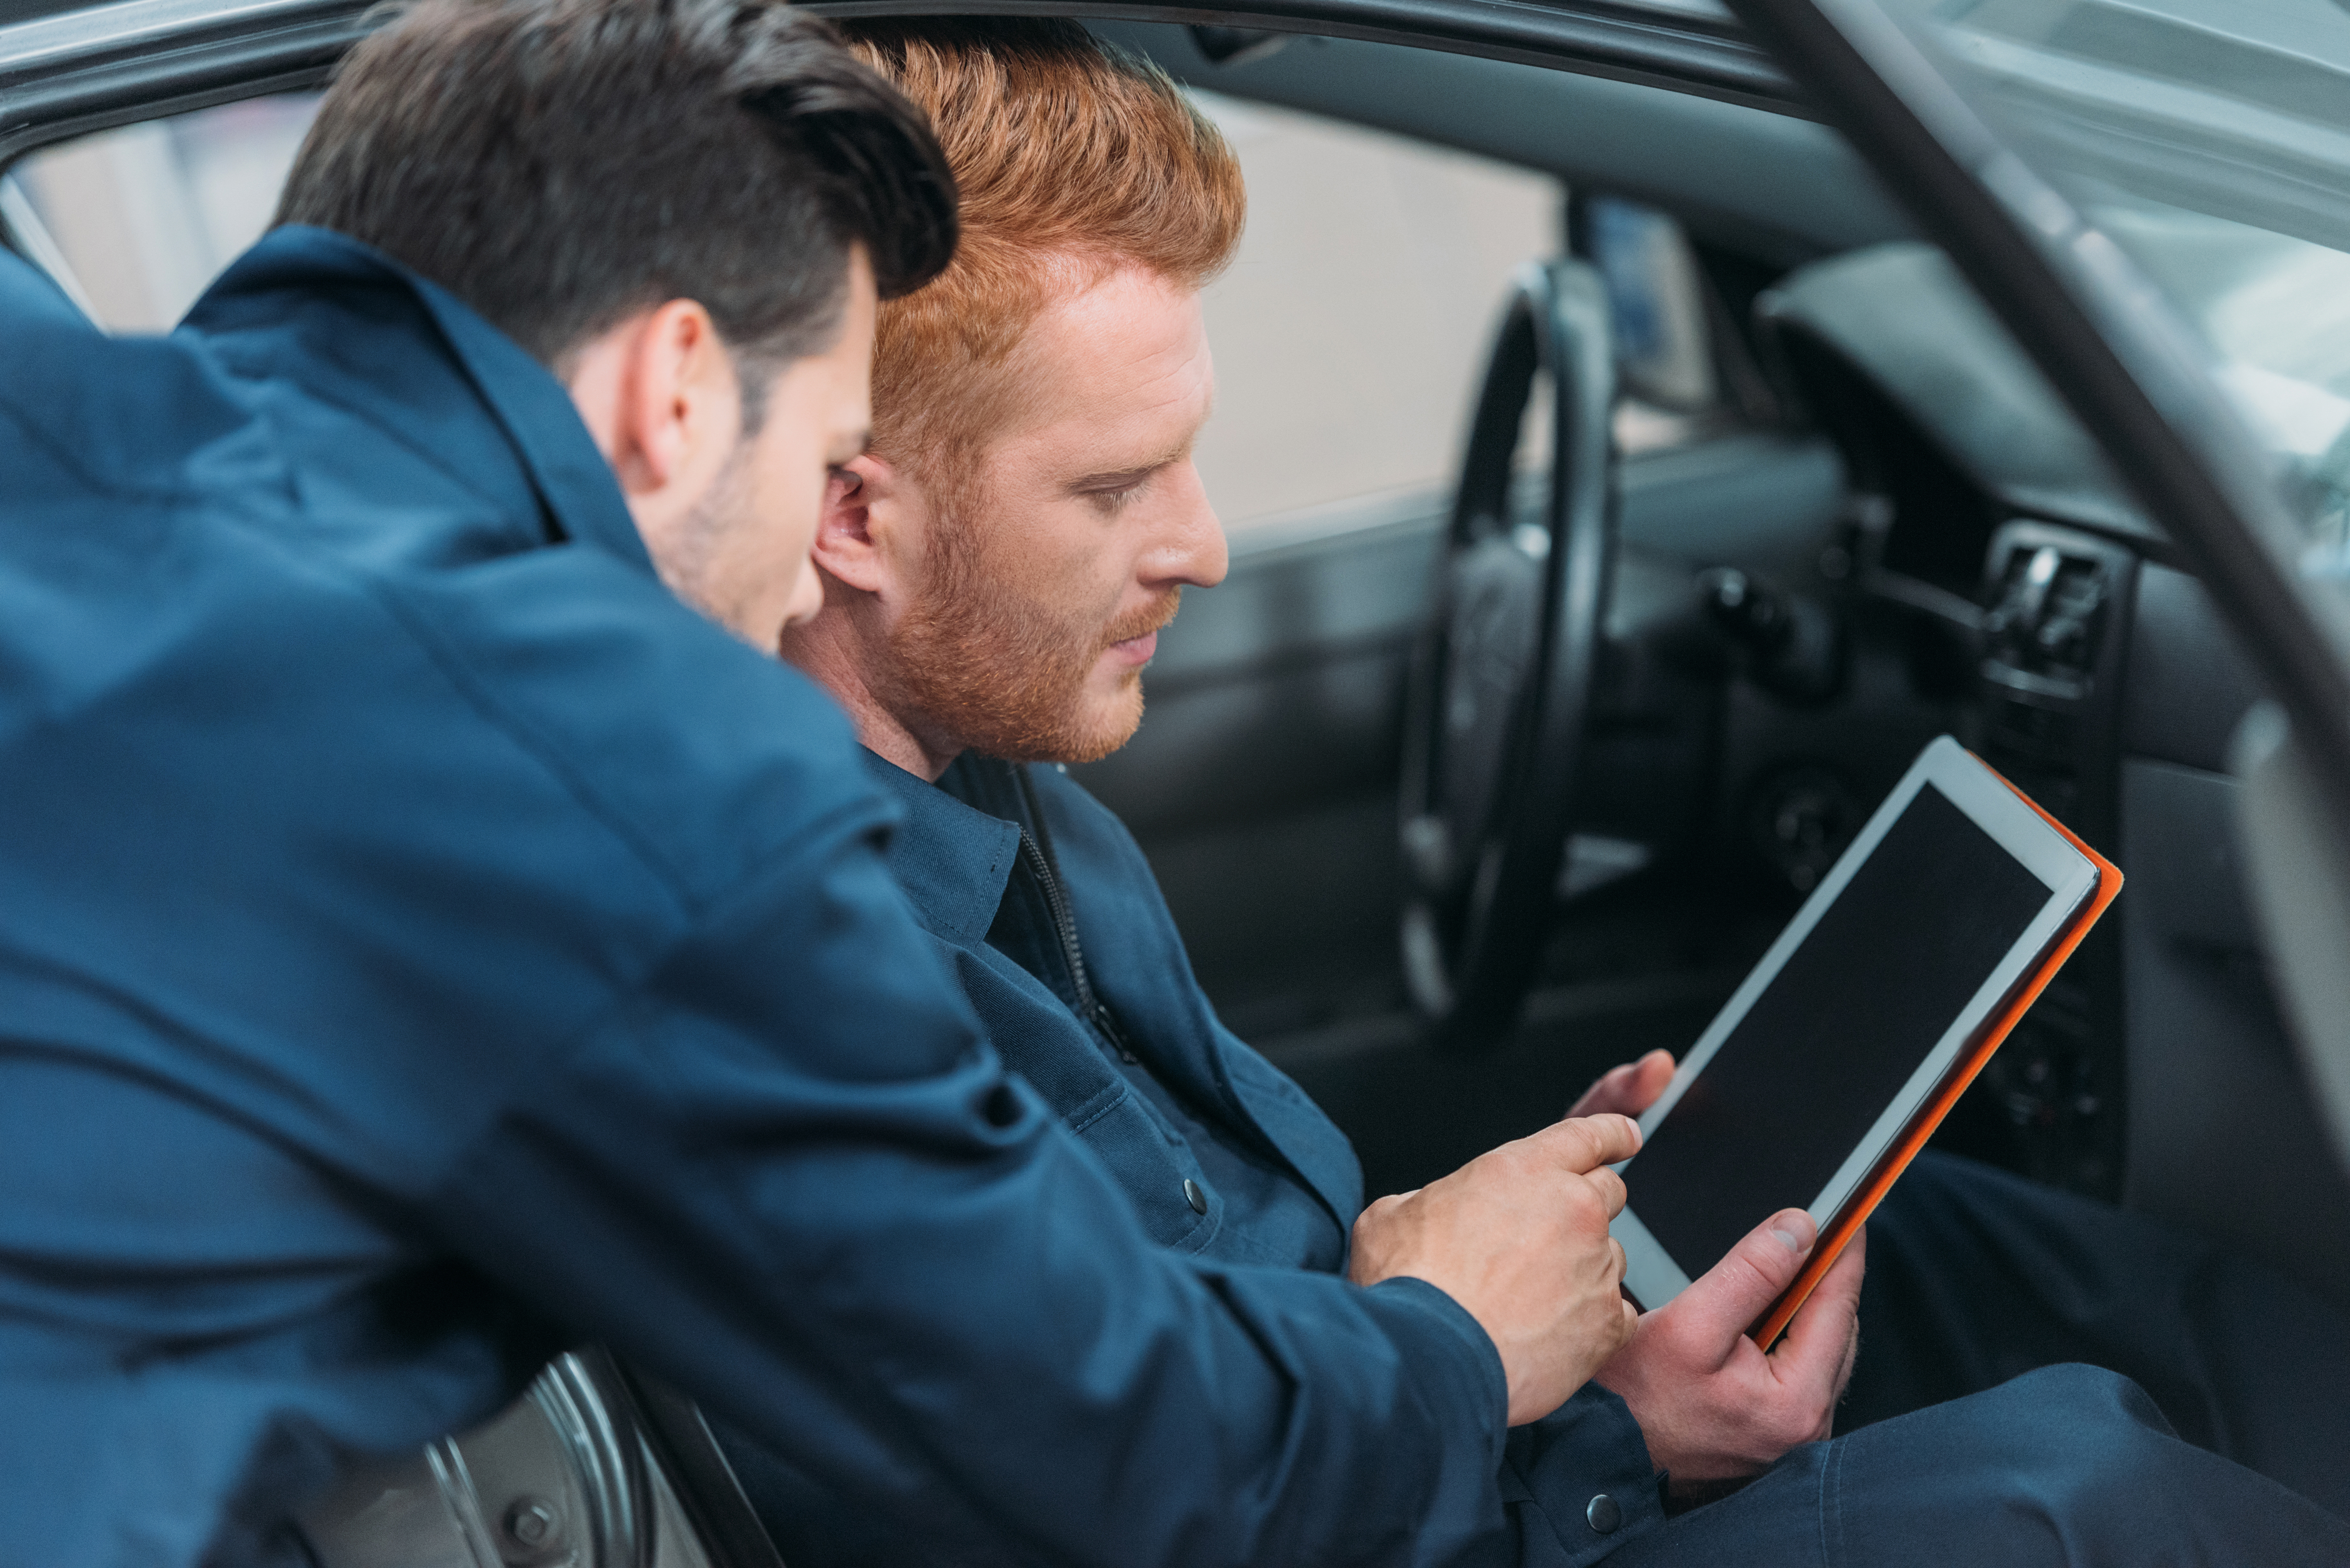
(1896, 1159)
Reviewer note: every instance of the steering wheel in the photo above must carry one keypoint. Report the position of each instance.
(1502, 677)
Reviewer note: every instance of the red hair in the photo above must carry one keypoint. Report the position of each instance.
(1073, 159)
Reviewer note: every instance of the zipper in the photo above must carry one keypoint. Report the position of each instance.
(1036, 850)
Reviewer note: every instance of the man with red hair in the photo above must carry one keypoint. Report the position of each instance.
(1057, 375)
(996, 568)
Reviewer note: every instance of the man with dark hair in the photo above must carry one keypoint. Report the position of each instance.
(682, 212)
(427, 941)
(561, 175)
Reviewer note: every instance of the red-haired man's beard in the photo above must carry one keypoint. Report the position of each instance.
(1000, 663)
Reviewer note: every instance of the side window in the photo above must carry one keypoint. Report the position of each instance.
(1351, 328)
(1352, 325)
(135, 221)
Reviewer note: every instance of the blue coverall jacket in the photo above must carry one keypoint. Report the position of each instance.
(424, 940)
(1044, 905)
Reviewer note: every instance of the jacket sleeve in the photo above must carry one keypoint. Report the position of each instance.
(790, 1178)
(1556, 1472)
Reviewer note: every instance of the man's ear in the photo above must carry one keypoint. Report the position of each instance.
(870, 526)
(658, 394)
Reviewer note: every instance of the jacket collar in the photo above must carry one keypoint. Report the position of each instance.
(952, 859)
(558, 462)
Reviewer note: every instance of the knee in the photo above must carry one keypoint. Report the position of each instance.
(2071, 1416)
(2066, 1421)
(2052, 1444)
(2089, 1450)
(2057, 1454)
(2066, 1465)
(2091, 1393)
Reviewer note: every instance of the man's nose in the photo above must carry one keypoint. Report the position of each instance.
(1190, 551)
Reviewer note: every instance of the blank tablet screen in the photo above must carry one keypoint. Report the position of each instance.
(1827, 1046)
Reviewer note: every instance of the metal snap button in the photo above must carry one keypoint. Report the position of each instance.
(1603, 1515)
(1194, 1197)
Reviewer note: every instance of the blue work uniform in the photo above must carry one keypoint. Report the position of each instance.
(426, 942)
(1044, 905)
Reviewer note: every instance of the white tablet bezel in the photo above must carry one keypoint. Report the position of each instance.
(1650, 1273)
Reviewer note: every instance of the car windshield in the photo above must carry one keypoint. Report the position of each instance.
(2210, 141)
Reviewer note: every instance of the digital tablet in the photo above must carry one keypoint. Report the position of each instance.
(1897, 975)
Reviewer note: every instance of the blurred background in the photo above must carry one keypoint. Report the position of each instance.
(1345, 333)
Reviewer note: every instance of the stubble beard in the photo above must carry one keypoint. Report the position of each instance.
(984, 658)
(692, 566)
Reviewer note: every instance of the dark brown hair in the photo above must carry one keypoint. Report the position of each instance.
(560, 164)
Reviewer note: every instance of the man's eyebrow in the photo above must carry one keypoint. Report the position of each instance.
(1120, 478)
(854, 445)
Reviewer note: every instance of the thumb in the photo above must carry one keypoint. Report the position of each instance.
(1718, 1310)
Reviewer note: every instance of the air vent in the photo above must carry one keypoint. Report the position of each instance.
(2040, 633)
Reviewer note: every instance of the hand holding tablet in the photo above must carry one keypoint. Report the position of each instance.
(1712, 1406)
(1813, 1088)
(1833, 1062)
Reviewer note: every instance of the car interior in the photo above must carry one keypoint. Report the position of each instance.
(1881, 460)
(1803, 504)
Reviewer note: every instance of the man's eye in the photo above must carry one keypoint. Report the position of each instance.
(1113, 502)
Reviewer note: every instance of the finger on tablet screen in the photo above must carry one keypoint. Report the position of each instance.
(1588, 1143)
(1628, 1089)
